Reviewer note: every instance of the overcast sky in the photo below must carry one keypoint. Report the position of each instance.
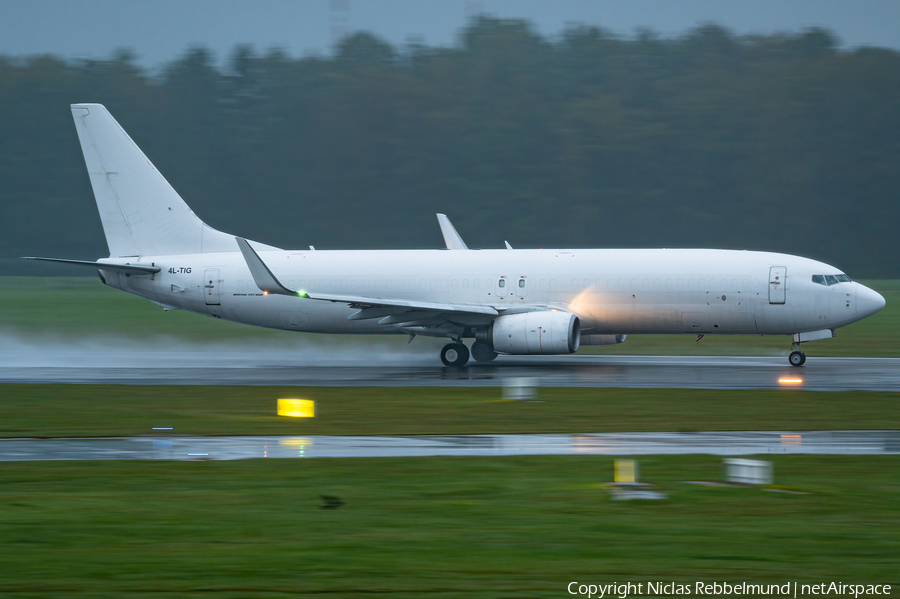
(160, 30)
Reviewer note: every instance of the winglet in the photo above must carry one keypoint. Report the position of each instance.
(262, 276)
(509, 247)
(451, 237)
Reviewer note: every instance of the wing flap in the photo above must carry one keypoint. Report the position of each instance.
(365, 302)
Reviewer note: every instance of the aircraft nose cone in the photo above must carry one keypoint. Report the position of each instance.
(868, 301)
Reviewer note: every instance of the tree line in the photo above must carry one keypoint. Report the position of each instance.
(584, 139)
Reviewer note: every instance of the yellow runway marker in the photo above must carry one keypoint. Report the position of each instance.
(625, 471)
(297, 408)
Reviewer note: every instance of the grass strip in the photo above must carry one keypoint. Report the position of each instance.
(434, 527)
(55, 410)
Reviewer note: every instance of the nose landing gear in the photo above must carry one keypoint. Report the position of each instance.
(797, 358)
(455, 354)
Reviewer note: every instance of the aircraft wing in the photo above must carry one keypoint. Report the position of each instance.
(390, 311)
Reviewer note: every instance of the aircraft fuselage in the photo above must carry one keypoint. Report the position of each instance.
(643, 291)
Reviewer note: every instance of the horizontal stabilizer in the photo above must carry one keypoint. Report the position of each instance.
(130, 269)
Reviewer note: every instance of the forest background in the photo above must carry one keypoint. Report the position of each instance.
(782, 142)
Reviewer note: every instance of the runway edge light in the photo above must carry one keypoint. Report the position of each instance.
(297, 408)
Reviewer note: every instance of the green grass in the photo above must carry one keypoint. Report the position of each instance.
(434, 527)
(116, 410)
(65, 307)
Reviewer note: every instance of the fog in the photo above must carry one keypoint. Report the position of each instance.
(47, 351)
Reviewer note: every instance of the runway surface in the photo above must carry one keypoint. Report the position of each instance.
(373, 367)
(176, 447)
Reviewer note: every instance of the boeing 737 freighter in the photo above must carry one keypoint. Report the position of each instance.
(510, 301)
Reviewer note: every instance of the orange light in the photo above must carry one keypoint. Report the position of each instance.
(265, 293)
(790, 381)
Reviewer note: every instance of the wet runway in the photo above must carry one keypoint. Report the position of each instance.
(176, 447)
(399, 369)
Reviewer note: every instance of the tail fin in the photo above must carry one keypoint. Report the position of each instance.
(142, 215)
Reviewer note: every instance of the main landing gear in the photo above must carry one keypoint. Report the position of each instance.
(483, 352)
(455, 354)
(797, 358)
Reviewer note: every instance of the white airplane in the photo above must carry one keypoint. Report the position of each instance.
(510, 301)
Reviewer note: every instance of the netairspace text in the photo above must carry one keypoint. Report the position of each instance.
(788, 589)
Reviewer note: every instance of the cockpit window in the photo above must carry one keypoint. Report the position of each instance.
(831, 279)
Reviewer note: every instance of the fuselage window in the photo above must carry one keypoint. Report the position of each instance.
(819, 279)
(830, 280)
(522, 283)
(501, 284)
(843, 279)
(476, 283)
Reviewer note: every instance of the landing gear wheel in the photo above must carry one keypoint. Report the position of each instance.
(455, 354)
(797, 358)
(482, 352)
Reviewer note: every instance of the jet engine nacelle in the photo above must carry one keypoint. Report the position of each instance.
(544, 332)
(602, 339)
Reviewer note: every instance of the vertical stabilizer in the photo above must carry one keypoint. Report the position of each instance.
(142, 214)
